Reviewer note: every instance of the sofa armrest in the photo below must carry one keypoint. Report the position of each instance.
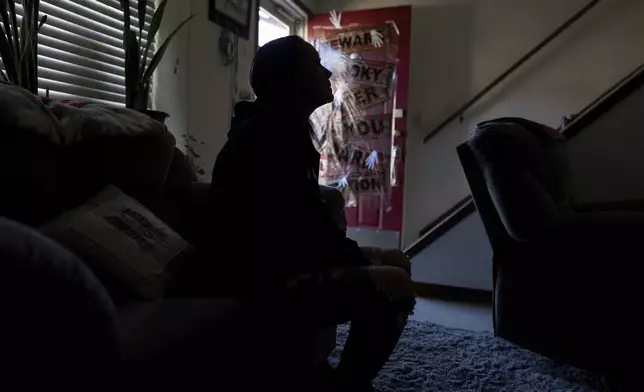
(57, 316)
(199, 195)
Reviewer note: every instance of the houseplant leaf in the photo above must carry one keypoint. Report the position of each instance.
(6, 25)
(161, 51)
(23, 60)
(35, 26)
(131, 67)
(43, 20)
(125, 6)
(8, 58)
(19, 43)
(14, 27)
(6, 45)
(142, 4)
(30, 22)
(154, 29)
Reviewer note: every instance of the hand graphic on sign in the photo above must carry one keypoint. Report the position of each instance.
(377, 38)
(336, 19)
(344, 181)
(372, 160)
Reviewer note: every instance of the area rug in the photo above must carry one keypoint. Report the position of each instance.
(432, 358)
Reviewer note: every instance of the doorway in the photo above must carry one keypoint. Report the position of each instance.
(363, 133)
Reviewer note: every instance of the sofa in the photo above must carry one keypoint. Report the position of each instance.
(567, 277)
(62, 329)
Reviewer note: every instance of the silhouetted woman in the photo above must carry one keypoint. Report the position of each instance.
(283, 248)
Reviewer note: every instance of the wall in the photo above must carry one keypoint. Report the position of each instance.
(310, 4)
(606, 158)
(460, 258)
(171, 82)
(199, 94)
(460, 46)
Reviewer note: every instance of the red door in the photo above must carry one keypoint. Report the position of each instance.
(374, 123)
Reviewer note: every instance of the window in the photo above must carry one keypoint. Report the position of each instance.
(270, 27)
(80, 51)
(279, 18)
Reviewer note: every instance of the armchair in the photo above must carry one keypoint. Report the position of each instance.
(567, 279)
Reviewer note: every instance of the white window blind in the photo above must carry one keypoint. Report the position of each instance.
(80, 49)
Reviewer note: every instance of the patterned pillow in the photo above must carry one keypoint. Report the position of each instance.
(93, 120)
(21, 111)
(131, 251)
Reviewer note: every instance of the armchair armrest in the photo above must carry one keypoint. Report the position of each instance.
(633, 205)
(626, 228)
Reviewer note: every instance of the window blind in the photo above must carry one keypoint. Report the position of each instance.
(80, 49)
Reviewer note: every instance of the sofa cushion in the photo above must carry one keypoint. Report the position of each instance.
(130, 249)
(203, 341)
(214, 344)
(137, 165)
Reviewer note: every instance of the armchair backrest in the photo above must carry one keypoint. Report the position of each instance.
(526, 174)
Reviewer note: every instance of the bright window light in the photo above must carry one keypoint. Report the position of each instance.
(270, 27)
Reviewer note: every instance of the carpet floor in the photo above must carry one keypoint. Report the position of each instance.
(432, 358)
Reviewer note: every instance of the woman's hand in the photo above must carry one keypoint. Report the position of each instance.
(396, 258)
(372, 253)
(390, 257)
(393, 280)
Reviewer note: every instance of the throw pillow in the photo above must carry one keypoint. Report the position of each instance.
(130, 250)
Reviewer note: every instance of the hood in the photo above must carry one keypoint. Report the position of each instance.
(243, 111)
(251, 116)
(246, 110)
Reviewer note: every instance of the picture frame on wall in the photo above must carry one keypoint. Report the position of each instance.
(233, 15)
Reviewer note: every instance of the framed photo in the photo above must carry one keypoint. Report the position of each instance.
(233, 15)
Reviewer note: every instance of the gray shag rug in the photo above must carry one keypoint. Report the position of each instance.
(432, 358)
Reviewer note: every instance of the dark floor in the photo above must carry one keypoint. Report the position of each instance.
(454, 314)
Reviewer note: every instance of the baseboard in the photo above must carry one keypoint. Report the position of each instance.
(451, 293)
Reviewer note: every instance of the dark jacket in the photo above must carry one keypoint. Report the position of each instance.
(271, 221)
